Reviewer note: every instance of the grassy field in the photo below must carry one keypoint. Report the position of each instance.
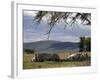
(27, 64)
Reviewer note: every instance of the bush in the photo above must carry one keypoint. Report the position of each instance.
(85, 44)
(28, 51)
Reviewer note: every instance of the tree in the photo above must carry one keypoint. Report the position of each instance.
(88, 44)
(85, 44)
(28, 51)
(69, 18)
(81, 44)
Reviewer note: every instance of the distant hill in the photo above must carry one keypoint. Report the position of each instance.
(51, 46)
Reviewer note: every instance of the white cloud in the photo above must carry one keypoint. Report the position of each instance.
(33, 32)
(30, 13)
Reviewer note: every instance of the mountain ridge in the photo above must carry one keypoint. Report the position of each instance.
(51, 46)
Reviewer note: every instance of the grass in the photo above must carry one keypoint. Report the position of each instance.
(27, 64)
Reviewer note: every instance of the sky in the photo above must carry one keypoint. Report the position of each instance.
(37, 32)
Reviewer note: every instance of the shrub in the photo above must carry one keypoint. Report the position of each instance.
(28, 51)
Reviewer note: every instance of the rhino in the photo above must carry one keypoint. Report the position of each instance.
(40, 57)
(77, 56)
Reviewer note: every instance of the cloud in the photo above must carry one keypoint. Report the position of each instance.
(30, 13)
(34, 32)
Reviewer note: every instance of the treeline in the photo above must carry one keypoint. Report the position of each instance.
(85, 44)
(29, 51)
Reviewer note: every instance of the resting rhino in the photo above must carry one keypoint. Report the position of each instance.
(40, 57)
(33, 58)
(77, 56)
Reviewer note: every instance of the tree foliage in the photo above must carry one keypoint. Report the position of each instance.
(85, 44)
(81, 44)
(54, 17)
(68, 18)
(88, 43)
(28, 51)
